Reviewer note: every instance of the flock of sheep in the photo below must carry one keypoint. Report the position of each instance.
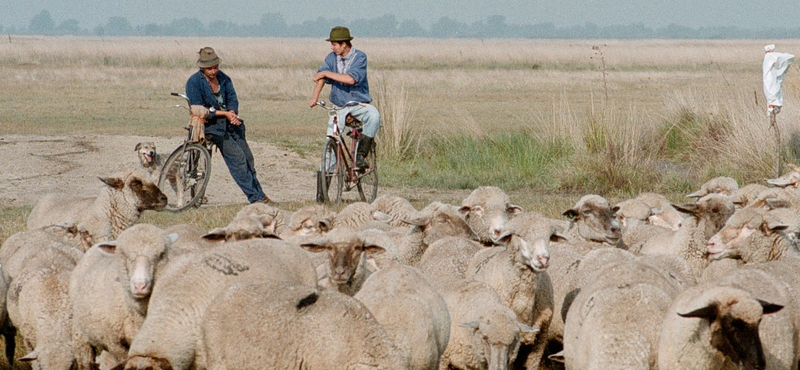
(643, 284)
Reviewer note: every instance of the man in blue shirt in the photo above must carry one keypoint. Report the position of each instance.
(214, 90)
(345, 69)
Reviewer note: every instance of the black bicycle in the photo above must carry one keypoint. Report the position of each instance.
(186, 171)
(337, 171)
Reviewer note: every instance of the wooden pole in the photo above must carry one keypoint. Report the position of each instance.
(773, 122)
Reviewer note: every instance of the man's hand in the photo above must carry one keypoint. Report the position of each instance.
(312, 102)
(320, 76)
(232, 117)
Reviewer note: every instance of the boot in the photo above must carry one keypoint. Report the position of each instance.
(364, 146)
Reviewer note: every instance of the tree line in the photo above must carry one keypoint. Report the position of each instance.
(495, 26)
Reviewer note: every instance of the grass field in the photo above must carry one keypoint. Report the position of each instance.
(546, 120)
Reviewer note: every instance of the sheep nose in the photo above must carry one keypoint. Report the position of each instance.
(497, 231)
(544, 260)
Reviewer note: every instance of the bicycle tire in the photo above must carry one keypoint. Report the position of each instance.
(368, 181)
(332, 170)
(185, 176)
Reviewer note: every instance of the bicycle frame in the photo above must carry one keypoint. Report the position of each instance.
(345, 152)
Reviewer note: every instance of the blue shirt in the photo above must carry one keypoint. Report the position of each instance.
(355, 65)
(199, 92)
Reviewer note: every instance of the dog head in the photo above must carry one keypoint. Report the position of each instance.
(146, 152)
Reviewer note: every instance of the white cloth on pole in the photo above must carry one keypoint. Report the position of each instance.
(774, 68)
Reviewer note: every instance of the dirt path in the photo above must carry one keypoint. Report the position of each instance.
(31, 166)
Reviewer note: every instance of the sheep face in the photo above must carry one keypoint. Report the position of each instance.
(345, 250)
(146, 193)
(495, 340)
(143, 250)
(738, 239)
(718, 185)
(310, 221)
(441, 222)
(733, 326)
(595, 220)
(711, 211)
(632, 213)
(486, 211)
(244, 228)
(528, 236)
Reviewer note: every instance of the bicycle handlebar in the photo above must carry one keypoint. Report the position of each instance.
(333, 107)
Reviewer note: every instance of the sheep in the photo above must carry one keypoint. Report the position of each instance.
(358, 214)
(446, 260)
(486, 210)
(631, 214)
(411, 311)
(400, 209)
(756, 234)
(308, 222)
(592, 224)
(260, 220)
(435, 221)
(110, 288)
(790, 180)
(36, 269)
(189, 239)
(484, 333)
(707, 216)
(747, 194)
(516, 272)
(347, 251)
(719, 185)
(297, 327)
(150, 161)
(614, 320)
(731, 323)
(169, 333)
(119, 205)
(664, 214)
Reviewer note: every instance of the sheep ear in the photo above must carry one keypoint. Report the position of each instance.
(474, 325)
(216, 234)
(557, 357)
(504, 238)
(776, 225)
(570, 214)
(381, 216)
(325, 224)
(558, 238)
(30, 356)
(114, 182)
(776, 203)
(418, 220)
(707, 312)
(372, 249)
(769, 307)
(464, 210)
(108, 247)
(514, 209)
(316, 246)
(687, 208)
(527, 328)
(696, 194)
(173, 237)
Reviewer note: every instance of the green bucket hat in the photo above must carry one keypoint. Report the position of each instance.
(208, 58)
(339, 33)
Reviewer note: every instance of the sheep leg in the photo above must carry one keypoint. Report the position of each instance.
(9, 336)
(84, 353)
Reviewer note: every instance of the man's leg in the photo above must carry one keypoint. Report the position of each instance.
(371, 118)
(236, 160)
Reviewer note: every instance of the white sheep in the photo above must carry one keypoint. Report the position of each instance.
(516, 272)
(731, 323)
(400, 209)
(347, 251)
(37, 272)
(110, 290)
(358, 214)
(757, 234)
(169, 334)
(614, 320)
(719, 185)
(296, 327)
(706, 217)
(486, 210)
(747, 194)
(119, 205)
(592, 224)
(664, 214)
(446, 260)
(411, 311)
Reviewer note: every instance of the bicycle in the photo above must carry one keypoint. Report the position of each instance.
(337, 171)
(186, 171)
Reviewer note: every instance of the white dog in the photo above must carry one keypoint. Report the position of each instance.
(151, 161)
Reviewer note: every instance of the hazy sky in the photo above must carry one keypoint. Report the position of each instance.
(652, 13)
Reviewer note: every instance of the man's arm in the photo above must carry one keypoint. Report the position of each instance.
(338, 77)
(315, 94)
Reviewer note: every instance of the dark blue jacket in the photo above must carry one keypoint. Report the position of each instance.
(199, 92)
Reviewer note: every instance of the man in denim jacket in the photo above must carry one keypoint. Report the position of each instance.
(345, 69)
(214, 90)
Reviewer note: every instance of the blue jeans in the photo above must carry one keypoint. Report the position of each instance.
(366, 113)
(239, 159)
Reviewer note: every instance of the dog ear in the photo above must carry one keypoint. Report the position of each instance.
(138, 145)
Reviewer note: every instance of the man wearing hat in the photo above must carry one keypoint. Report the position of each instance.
(345, 69)
(214, 90)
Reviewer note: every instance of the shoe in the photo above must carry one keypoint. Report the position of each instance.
(364, 146)
(266, 200)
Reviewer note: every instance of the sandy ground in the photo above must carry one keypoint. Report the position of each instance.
(31, 166)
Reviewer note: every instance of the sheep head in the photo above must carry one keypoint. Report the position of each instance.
(751, 235)
(594, 219)
(243, 228)
(486, 210)
(309, 222)
(732, 317)
(527, 239)
(711, 212)
(145, 194)
(496, 337)
(346, 250)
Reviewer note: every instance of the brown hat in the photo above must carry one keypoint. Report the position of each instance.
(208, 58)
(339, 33)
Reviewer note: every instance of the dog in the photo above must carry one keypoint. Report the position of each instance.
(149, 159)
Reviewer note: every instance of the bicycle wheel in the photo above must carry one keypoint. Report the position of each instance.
(185, 176)
(332, 170)
(368, 181)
